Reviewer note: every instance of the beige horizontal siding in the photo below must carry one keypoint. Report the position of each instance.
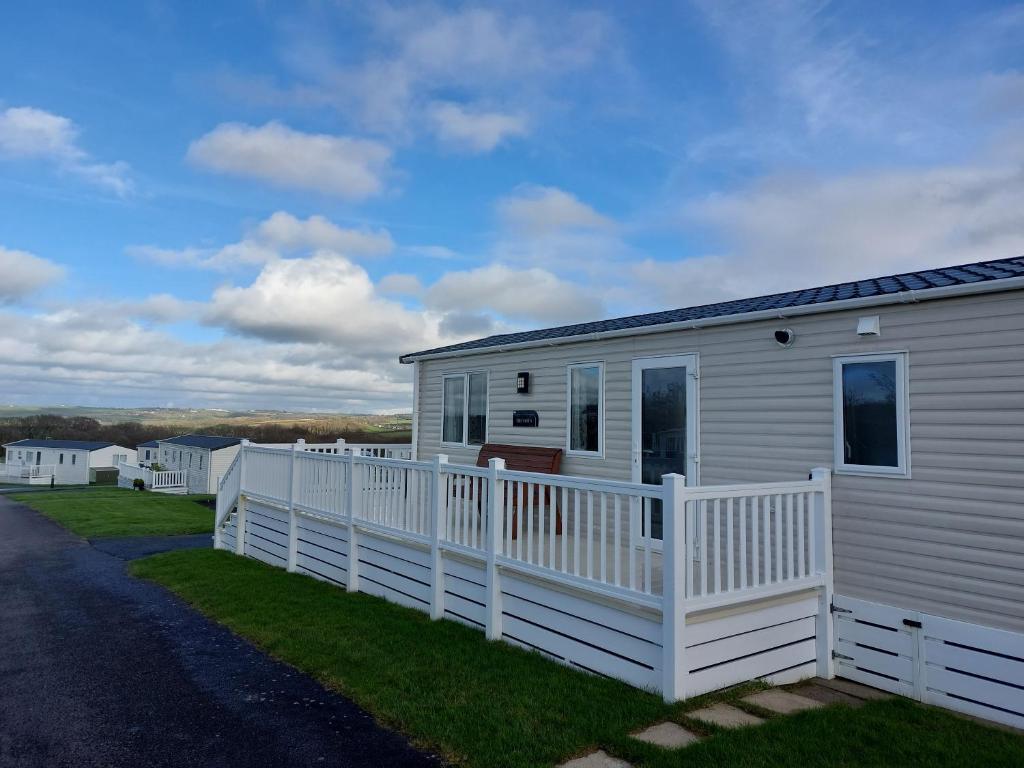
(949, 540)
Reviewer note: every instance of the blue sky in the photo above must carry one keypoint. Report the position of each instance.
(259, 204)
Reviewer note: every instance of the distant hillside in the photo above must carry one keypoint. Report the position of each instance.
(129, 427)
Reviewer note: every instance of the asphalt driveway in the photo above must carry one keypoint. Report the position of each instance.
(100, 669)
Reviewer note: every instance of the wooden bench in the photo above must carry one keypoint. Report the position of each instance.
(525, 458)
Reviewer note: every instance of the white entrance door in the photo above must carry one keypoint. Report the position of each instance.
(665, 423)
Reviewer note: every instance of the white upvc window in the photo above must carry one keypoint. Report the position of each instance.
(585, 416)
(871, 414)
(464, 405)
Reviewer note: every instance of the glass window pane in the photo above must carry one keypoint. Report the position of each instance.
(584, 407)
(454, 409)
(869, 414)
(477, 408)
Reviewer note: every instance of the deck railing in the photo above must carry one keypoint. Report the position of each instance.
(668, 547)
(154, 480)
(27, 471)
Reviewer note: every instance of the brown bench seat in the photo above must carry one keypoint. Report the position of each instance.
(525, 458)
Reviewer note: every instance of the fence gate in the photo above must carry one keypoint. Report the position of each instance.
(967, 667)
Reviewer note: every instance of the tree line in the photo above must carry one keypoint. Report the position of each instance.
(132, 433)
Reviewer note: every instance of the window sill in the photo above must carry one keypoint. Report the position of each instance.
(896, 474)
(585, 454)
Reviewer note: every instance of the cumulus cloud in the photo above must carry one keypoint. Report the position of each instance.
(350, 168)
(789, 232)
(23, 273)
(322, 299)
(537, 210)
(30, 133)
(76, 350)
(474, 130)
(279, 235)
(532, 295)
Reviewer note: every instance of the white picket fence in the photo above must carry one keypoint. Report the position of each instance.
(27, 474)
(738, 585)
(163, 480)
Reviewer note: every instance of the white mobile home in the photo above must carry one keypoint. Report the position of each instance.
(69, 462)
(147, 452)
(910, 387)
(203, 458)
(827, 481)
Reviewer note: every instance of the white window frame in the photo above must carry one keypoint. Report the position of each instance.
(901, 359)
(569, 451)
(464, 375)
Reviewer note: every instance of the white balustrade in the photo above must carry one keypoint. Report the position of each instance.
(27, 471)
(670, 547)
(127, 474)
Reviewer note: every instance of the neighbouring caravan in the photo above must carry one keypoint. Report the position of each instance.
(147, 453)
(910, 387)
(203, 458)
(67, 462)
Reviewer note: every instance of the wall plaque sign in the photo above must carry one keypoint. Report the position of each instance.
(525, 419)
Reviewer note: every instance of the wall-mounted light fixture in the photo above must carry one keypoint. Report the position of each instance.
(522, 383)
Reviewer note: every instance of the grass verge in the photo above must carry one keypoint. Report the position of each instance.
(491, 705)
(100, 512)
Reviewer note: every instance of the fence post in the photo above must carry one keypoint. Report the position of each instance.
(438, 523)
(674, 578)
(293, 528)
(353, 496)
(217, 539)
(340, 450)
(495, 526)
(823, 564)
(240, 516)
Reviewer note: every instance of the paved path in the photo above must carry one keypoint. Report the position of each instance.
(100, 669)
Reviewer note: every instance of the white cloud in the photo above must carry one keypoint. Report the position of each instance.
(285, 231)
(30, 133)
(161, 308)
(322, 299)
(279, 235)
(474, 130)
(536, 210)
(420, 55)
(531, 295)
(76, 353)
(791, 232)
(811, 74)
(353, 169)
(23, 273)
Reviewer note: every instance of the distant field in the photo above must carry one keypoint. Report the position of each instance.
(191, 418)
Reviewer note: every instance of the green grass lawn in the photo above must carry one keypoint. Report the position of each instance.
(489, 704)
(98, 512)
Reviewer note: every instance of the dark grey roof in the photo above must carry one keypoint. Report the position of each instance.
(68, 445)
(147, 444)
(963, 274)
(212, 442)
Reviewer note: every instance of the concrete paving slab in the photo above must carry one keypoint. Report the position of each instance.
(863, 692)
(781, 702)
(599, 759)
(667, 735)
(827, 695)
(725, 716)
